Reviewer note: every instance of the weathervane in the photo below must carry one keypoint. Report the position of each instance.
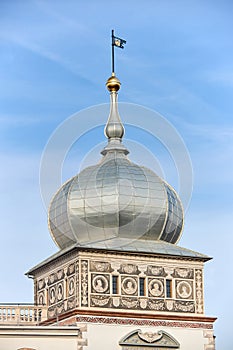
(118, 42)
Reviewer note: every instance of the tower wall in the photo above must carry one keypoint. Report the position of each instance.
(121, 283)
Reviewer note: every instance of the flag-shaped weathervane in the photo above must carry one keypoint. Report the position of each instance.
(118, 42)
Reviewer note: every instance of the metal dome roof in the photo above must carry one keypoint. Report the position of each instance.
(115, 199)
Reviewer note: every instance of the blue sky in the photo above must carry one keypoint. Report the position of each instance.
(54, 61)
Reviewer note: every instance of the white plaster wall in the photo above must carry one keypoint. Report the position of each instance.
(38, 343)
(106, 337)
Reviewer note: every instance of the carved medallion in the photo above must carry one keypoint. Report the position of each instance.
(100, 284)
(52, 295)
(129, 286)
(71, 286)
(60, 291)
(41, 300)
(184, 290)
(156, 288)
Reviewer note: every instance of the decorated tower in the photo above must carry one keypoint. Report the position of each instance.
(119, 271)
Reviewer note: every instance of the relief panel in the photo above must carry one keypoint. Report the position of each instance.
(71, 283)
(129, 269)
(129, 286)
(100, 301)
(41, 284)
(60, 274)
(156, 271)
(100, 266)
(84, 282)
(71, 269)
(183, 273)
(199, 291)
(71, 303)
(184, 289)
(100, 283)
(52, 279)
(155, 287)
(41, 298)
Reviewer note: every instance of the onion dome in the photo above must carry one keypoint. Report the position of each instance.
(115, 200)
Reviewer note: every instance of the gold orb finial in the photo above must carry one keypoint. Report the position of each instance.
(113, 83)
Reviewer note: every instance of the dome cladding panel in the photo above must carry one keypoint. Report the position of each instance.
(115, 198)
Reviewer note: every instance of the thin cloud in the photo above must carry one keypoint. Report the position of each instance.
(222, 76)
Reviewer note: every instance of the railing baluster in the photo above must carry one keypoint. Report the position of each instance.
(22, 314)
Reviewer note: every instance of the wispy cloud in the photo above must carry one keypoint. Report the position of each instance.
(222, 76)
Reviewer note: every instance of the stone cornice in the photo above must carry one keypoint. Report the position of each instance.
(134, 318)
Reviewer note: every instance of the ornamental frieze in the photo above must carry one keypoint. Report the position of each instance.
(77, 284)
(100, 283)
(158, 305)
(129, 303)
(100, 301)
(199, 292)
(129, 269)
(184, 306)
(183, 273)
(100, 266)
(155, 271)
(84, 282)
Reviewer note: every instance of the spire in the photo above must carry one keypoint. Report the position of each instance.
(114, 129)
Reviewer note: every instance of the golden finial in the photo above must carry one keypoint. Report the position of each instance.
(113, 83)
